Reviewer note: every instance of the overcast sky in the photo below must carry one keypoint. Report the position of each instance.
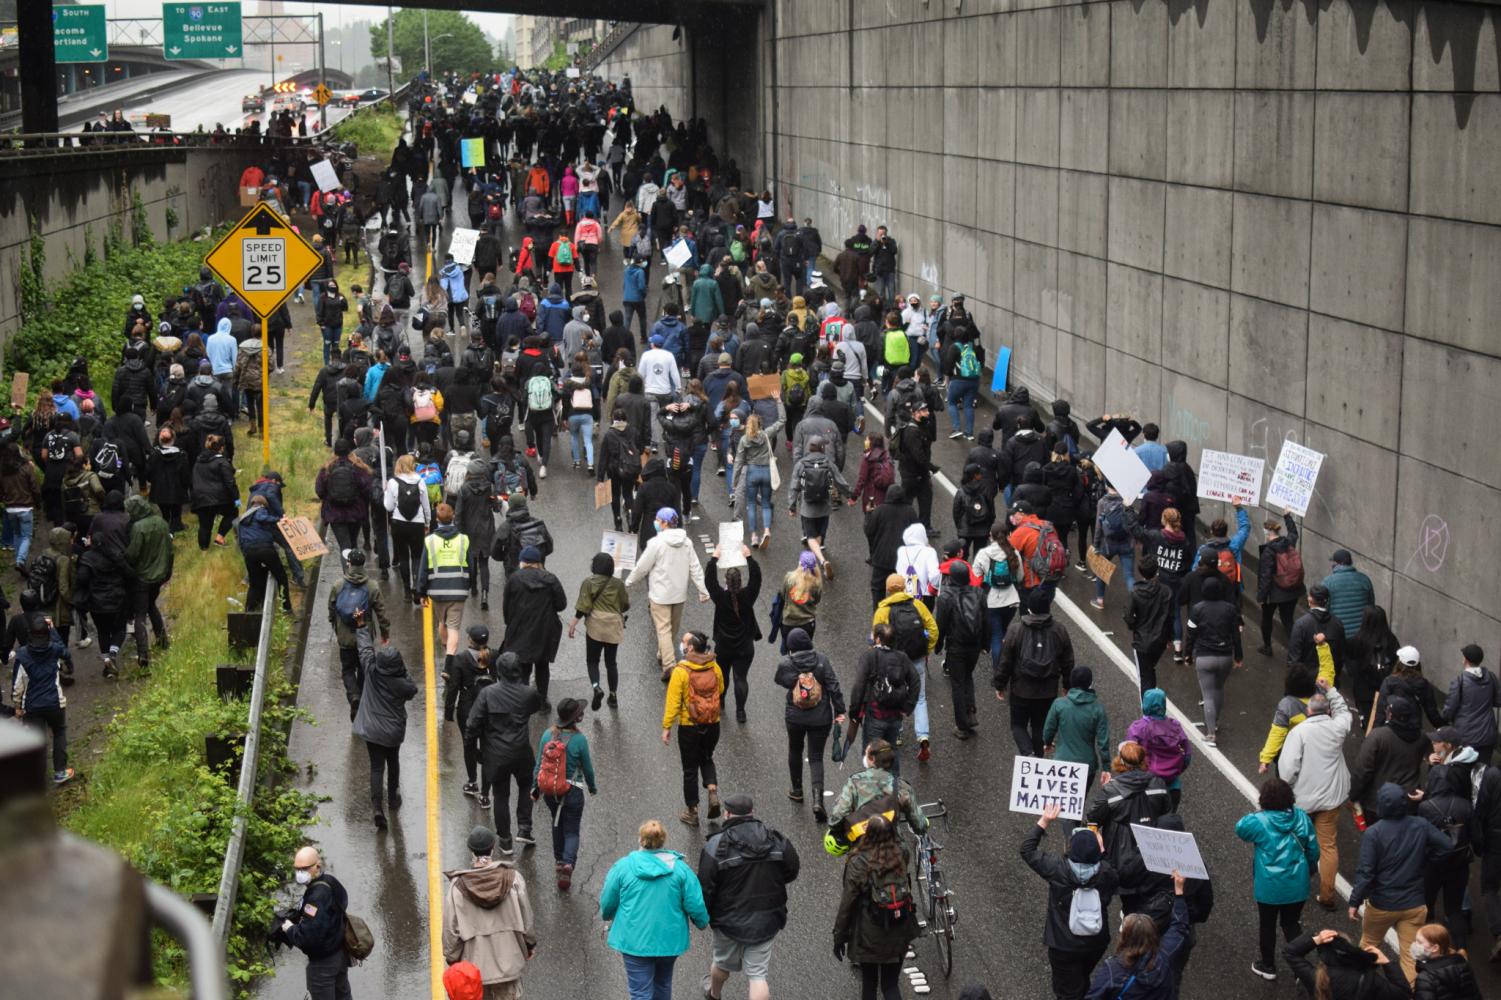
(333, 14)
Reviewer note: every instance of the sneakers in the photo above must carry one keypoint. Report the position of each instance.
(110, 670)
(503, 845)
(689, 816)
(565, 877)
(64, 776)
(956, 436)
(923, 753)
(84, 643)
(714, 807)
(1098, 603)
(484, 801)
(524, 838)
(1081, 567)
(795, 794)
(471, 789)
(599, 697)
(541, 472)
(1267, 972)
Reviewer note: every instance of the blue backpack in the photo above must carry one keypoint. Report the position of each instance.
(351, 601)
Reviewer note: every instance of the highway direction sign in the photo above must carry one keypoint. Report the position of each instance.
(80, 34)
(201, 30)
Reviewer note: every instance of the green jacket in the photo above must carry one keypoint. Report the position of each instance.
(149, 551)
(1350, 593)
(706, 302)
(1078, 730)
(895, 349)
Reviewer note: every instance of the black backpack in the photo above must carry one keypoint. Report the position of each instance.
(41, 576)
(343, 488)
(626, 463)
(1039, 653)
(908, 633)
(533, 532)
(106, 459)
(59, 448)
(888, 691)
(817, 480)
(408, 499)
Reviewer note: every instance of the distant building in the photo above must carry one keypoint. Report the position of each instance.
(536, 37)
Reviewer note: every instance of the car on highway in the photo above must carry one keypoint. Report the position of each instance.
(362, 96)
(253, 104)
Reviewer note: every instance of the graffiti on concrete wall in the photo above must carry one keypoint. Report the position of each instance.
(1433, 544)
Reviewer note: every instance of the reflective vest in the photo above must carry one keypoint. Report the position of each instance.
(447, 567)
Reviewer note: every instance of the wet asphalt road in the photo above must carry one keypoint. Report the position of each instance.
(1000, 902)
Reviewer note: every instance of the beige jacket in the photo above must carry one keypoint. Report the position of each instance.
(487, 920)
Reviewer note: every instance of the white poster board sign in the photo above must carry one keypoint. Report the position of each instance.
(731, 541)
(1037, 782)
(1226, 476)
(462, 245)
(678, 254)
(572, 73)
(621, 546)
(1122, 467)
(1292, 483)
(326, 176)
(1166, 851)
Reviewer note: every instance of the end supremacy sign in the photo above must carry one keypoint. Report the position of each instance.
(1037, 783)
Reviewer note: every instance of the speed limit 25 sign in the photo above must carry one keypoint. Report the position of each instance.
(263, 259)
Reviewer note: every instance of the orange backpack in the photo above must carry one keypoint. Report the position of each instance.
(552, 773)
(703, 697)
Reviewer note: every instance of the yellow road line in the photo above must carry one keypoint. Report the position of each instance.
(429, 263)
(434, 845)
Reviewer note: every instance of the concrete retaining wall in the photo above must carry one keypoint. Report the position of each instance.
(73, 199)
(1253, 221)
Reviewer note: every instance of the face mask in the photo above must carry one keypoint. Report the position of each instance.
(303, 876)
(1417, 951)
(734, 421)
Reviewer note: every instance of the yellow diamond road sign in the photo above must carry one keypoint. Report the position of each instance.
(322, 94)
(263, 260)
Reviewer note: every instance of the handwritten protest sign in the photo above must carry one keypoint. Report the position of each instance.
(731, 540)
(1226, 476)
(1166, 851)
(462, 246)
(1292, 482)
(602, 492)
(1122, 467)
(621, 546)
(299, 533)
(20, 385)
(326, 176)
(1037, 783)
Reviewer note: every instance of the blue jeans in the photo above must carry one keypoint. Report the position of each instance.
(699, 451)
(1000, 618)
(885, 729)
(886, 287)
(1006, 495)
(757, 497)
(649, 978)
(1128, 566)
(920, 713)
(18, 533)
(331, 335)
(567, 817)
(581, 436)
(962, 392)
(727, 457)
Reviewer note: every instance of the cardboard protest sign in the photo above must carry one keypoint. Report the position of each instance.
(1037, 782)
(1166, 851)
(20, 384)
(763, 386)
(326, 176)
(1292, 483)
(602, 492)
(1227, 476)
(299, 533)
(1122, 467)
(1101, 566)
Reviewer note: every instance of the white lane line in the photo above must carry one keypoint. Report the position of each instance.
(1097, 635)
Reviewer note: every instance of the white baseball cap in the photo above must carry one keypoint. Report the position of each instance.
(1409, 656)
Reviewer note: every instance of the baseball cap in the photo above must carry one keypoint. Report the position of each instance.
(1409, 656)
(1446, 734)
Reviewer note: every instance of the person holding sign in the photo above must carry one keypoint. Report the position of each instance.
(1286, 851)
(1144, 962)
(1080, 886)
(1131, 793)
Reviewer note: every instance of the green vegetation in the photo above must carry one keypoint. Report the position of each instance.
(150, 795)
(372, 129)
(559, 59)
(82, 317)
(456, 43)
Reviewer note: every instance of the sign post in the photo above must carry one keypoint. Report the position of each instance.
(202, 30)
(264, 261)
(80, 34)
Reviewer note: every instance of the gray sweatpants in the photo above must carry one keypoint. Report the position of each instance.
(1213, 672)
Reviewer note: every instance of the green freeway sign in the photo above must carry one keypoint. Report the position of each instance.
(80, 34)
(201, 30)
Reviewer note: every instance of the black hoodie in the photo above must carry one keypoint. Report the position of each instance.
(656, 491)
(883, 531)
(1015, 414)
(501, 716)
(1182, 483)
(1352, 971)
(743, 871)
(533, 600)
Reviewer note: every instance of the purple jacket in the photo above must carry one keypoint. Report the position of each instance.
(350, 513)
(1157, 736)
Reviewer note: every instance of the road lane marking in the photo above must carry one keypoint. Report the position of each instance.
(434, 844)
(1097, 635)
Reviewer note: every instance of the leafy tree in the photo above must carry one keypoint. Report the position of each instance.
(457, 43)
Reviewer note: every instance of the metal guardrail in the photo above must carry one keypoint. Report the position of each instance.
(181, 919)
(234, 856)
(52, 143)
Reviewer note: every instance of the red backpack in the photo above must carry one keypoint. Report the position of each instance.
(1229, 566)
(552, 773)
(1289, 570)
(1049, 560)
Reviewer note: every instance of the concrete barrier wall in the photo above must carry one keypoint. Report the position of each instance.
(1252, 221)
(74, 199)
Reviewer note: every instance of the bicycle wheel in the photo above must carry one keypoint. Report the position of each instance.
(942, 928)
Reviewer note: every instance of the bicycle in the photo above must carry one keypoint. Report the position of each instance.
(941, 915)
